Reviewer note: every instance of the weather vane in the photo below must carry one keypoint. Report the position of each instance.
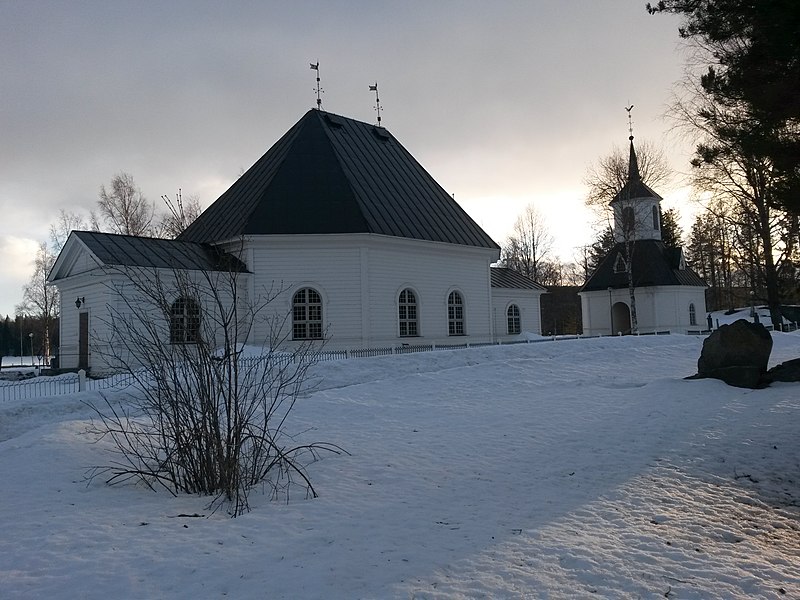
(374, 88)
(319, 90)
(630, 121)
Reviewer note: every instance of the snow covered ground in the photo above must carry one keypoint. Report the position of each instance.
(570, 469)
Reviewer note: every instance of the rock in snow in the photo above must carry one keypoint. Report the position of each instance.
(737, 354)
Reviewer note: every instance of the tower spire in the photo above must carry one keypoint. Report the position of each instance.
(633, 163)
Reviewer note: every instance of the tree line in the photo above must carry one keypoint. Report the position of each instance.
(740, 104)
(16, 339)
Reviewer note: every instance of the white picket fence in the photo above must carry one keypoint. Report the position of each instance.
(69, 383)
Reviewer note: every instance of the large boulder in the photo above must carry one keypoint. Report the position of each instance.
(787, 371)
(737, 354)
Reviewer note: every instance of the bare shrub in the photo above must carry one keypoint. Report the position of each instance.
(204, 418)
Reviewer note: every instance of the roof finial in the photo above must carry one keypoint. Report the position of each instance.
(374, 88)
(630, 121)
(319, 90)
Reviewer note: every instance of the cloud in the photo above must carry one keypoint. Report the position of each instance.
(496, 100)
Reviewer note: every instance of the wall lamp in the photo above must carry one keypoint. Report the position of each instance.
(79, 301)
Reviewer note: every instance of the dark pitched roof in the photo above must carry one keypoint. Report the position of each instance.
(653, 264)
(503, 277)
(331, 174)
(634, 187)
(133, 251)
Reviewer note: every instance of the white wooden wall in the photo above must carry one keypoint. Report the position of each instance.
(658, 308)
(529, 303)
(106, 294)
(360, 278)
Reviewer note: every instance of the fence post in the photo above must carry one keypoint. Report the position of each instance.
(81, 380)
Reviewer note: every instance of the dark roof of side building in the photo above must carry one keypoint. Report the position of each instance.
(133, 251)
(329, 174)
(503, 277)
(653, 264)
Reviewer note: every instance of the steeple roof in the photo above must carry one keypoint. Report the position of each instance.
(332, 175)
(634, 187)
(633, 164)
(653, 265)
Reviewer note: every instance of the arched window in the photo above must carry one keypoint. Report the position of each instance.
(655, 218)
(692, 314)
(455, 314)
(184, 322)
(407, 313)
(307, 315)
(514, 324)
(628, 220)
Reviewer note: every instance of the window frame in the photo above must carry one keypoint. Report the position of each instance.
(407, 313)
(513, 321)
(307, 314)
(184, 321)
(692, 315)
(456, 323)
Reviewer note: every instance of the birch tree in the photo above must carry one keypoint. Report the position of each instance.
(528, 249)
(39, 298)
(124, 209)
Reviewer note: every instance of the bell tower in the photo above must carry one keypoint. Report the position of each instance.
(637, 208)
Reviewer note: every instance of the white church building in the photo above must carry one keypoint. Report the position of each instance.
(669, 296)
(368, 249)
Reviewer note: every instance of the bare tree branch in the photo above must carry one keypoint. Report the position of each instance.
(608, 175)
(180, 214)
(206, 418)
(529, 247)
(39, 298)
(123, 207)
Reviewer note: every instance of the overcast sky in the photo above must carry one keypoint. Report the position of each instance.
(504, 103)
